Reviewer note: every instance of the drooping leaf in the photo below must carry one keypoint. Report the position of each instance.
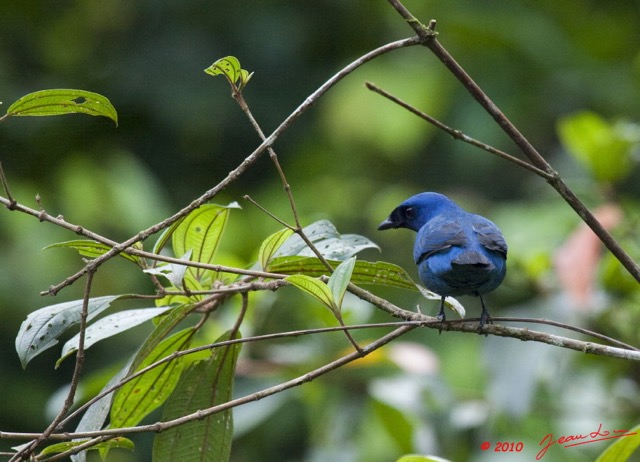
(63, 101)
(118, 442)
(90, 249)
(110, 326)
(93, 419)
(137, 398)
(450, 302)
(339, 280)
(314, 287)
(173, 272)
(325, 237)
(364, 272)
(271, 245)
(205, 384)
(42, 328)
(623, 447)
(201, 232)
(229, 67)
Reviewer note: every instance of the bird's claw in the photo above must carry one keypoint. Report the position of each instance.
(485, 318)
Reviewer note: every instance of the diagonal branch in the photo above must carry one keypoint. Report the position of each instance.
(457, 134)
(428, 38)
(240, 169)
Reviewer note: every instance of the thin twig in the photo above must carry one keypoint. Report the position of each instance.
(458, 134)
(419, 320)
(469, 325)
(11, 202)
(237, 94)
(241, 168)
(198, 415)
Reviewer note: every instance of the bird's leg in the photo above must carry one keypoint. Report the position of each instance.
(441, 316)
(485, 317)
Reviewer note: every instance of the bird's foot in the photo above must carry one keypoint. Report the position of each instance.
(441, 319)
(485, 318)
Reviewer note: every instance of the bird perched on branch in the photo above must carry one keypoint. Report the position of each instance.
(457, 252)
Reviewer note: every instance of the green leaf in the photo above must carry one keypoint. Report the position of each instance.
(271, 245)
(110, 326)
(166, 325)
(63, 101)
(42, 328)
(605, 149)
(166, 235)
(325, 237)
(118, 442)
(621, 450)
(314, 287)
(417, 458)
(339, 280)
(201, 232)
(365, 272)
(90, 249)
(205, 384)
(396, 424)
(145, 393)
(229, 67)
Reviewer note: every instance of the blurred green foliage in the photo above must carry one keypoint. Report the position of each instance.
(567, 73)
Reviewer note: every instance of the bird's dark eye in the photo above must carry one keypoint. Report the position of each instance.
(409, 213)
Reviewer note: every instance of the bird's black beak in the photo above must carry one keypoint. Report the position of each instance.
(389, 223)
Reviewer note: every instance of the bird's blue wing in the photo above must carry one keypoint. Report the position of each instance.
(437, 234)
(489, 236)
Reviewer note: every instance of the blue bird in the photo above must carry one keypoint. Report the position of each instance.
(457, 252)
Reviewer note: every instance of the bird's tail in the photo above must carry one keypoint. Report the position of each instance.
(472, 258)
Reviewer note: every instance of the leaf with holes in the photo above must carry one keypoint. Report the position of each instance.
(229, 67)
(325, 237)
(201, 232)
(110, 326)
(63, 101)
(41, 329)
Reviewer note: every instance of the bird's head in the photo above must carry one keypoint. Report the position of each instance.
(417, 210)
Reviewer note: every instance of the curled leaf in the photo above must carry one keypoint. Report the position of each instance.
(229, 67)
